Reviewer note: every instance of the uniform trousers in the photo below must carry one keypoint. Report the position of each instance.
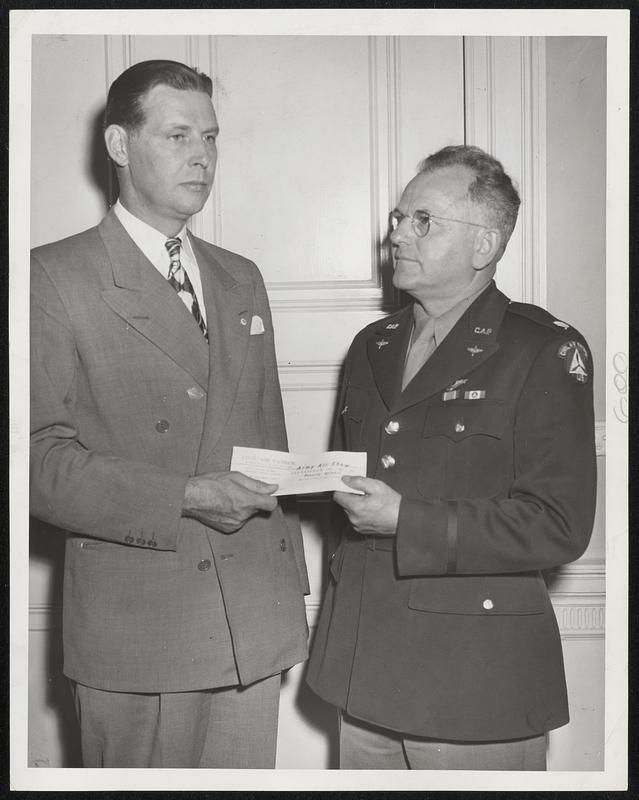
(364, 746)
(232, 727)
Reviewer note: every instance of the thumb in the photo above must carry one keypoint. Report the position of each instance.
(254, 485)
(356, 482)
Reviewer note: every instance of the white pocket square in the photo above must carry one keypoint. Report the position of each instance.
(257, 326)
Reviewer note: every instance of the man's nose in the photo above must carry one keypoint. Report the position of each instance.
(202, 155)
(403, 232)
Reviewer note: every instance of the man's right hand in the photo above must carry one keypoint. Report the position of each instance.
(225, 500)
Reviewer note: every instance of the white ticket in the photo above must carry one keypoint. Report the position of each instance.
(299, 473)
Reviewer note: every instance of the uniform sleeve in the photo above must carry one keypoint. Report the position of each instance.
(274, 426)
(72, 487)
(546, 519)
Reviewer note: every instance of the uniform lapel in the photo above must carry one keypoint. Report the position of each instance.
(229, 308)
(471, 342)
(387, 352)
(148, 303)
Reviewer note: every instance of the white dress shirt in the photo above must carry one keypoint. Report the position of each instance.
(152, 243)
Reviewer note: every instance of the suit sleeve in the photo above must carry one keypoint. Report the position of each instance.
(546, 519)
(72, 487)
(274, 426)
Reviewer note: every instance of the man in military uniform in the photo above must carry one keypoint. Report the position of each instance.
(437, 640)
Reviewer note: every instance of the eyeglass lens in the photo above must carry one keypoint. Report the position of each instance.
(420, 222)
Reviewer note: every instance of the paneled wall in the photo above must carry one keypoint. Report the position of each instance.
(318, 137)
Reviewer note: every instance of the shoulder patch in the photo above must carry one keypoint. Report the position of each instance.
(575, 357)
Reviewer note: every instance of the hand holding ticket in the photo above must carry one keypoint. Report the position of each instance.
(299, 473)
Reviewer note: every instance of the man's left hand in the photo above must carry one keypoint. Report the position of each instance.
(376, 511)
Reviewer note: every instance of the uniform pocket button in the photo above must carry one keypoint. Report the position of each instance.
(162, 426)
(488, 604)
(283, 545)
(204, 565)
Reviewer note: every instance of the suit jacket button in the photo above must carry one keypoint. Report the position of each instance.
(488, 604)
(392, 427)
(388, 462)
(195, 393)
(162, 426)
(283, 545)
(204, 565)
(141, 540)
(129, 539)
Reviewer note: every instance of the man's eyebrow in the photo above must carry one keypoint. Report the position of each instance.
(182, 126)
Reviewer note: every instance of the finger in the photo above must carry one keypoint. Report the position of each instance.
(358, 482)
(265, 502)
(344, 499)
(252, 484)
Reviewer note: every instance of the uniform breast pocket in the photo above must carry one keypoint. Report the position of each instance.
(463, 450)
(354, 415)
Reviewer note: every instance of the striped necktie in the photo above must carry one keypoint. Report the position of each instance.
(180, 281)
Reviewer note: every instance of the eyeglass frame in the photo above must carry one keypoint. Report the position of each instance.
(399, 218)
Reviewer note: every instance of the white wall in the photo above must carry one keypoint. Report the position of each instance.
(318, 136)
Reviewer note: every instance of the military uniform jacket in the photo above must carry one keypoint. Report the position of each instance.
(447, 630)
(128, 401)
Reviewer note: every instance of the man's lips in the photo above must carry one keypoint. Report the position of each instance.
(196, 186)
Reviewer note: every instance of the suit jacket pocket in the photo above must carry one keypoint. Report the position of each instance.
(483, 595)
(463, 452)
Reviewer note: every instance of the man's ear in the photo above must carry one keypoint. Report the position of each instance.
(487, 243)
(117, 144)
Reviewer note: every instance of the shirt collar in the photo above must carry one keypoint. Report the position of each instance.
(150, 241)
(439, 327)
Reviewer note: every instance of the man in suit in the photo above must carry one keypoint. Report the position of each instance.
(152, 356)
(437, 639)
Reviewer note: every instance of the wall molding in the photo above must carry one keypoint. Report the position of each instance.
(498, 111)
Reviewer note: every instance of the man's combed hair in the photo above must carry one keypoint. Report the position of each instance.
(492, 188)
(124, 102)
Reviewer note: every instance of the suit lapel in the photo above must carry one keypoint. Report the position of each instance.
(387, 352)
(148, 303)
(229, 308)
(471, 342)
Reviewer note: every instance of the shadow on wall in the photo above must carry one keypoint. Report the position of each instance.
(99, 167)
(324, 519)
(47, 548)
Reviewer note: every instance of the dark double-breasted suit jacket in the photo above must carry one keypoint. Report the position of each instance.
(447, 629)
(128, 401)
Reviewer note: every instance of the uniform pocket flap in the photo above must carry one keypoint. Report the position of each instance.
(459, 420)
(523, 593)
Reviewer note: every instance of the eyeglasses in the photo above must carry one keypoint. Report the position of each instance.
(420, 221)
